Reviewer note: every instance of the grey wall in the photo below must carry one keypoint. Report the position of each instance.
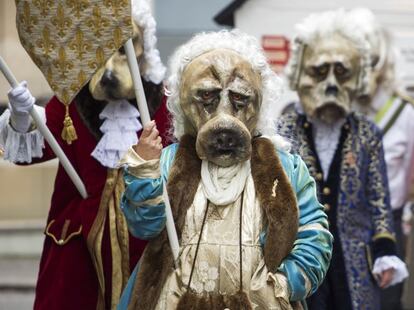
(178, 20)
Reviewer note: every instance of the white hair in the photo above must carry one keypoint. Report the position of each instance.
(324, 25)
(380, 41)
(248, 48)
(154, 70)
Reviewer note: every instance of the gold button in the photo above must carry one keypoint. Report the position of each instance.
(327, 207)
(319, 176)
(326, 191)
(306, 125)
(61, 241)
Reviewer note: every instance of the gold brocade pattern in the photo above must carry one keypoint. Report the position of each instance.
(109, 210)
(64, 37)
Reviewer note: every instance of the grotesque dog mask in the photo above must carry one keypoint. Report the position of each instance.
(220, 97)
(329, 78)
(113, 81)
(330, 65)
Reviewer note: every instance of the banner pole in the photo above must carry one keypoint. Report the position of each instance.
(44, 130)
(145, 118)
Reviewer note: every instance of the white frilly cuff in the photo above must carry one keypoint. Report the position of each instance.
(387, 262)
(21, 147)
(119, 132)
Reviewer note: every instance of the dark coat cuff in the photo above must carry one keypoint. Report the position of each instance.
(382, 246)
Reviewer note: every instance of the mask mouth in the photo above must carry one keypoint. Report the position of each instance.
(112, 94)
(330, 112)
(224, 142)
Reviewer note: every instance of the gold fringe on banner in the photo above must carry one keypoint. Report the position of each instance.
(69, 131)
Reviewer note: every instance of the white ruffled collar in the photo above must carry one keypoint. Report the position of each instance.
(119, 130)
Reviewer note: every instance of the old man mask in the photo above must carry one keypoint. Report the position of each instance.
(328, 69)
(220, 97)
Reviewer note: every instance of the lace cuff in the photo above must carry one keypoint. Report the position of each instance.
(20, 147)
(386, 262)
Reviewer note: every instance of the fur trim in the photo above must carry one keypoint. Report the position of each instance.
(281, 212)
(184, 174)
(214, 301)
(277, 199)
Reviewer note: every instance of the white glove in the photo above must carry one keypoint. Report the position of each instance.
(21, 102)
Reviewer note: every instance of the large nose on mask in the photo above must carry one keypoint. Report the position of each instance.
(108, 79)
(331, 86)
(226, 140)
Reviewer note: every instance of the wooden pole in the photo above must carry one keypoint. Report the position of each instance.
(145, 118)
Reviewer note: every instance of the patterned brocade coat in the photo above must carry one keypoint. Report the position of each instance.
(356, 198)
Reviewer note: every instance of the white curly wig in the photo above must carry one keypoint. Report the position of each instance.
(325, 24)
(248, 48)
(380, 41)
(154, 70)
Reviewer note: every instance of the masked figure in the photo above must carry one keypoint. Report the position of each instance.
(330, 66)
(393, 113)
(252, 234)
(88, 253)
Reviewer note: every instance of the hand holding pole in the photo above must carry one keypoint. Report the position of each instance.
(145, 118)
(44, 130)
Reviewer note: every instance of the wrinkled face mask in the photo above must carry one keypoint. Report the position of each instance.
(220, 95)
(329, 78)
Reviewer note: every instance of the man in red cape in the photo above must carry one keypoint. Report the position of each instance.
(88, 252)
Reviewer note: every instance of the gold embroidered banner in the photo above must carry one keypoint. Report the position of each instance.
(70, 39)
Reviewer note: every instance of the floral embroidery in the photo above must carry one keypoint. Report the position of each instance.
(206, 278)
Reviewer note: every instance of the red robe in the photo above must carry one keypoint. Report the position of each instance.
(68, 277)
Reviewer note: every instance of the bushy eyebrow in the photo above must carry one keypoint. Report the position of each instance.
(236, 74)
(214, 72)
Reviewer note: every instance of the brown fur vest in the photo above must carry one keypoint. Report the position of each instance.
(273, 190)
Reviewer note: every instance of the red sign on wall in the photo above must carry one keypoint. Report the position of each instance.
(277, 50)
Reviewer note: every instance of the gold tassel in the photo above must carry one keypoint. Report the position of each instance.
(69, 131)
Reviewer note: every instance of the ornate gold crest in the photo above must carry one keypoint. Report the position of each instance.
(69, 40)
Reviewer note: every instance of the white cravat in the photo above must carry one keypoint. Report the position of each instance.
(223, 186)
(326, 138)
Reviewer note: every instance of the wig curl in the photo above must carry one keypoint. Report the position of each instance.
(380, 41)
(153, 69)
(244, 45)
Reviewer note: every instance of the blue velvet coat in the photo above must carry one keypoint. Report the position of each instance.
(358, 201)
